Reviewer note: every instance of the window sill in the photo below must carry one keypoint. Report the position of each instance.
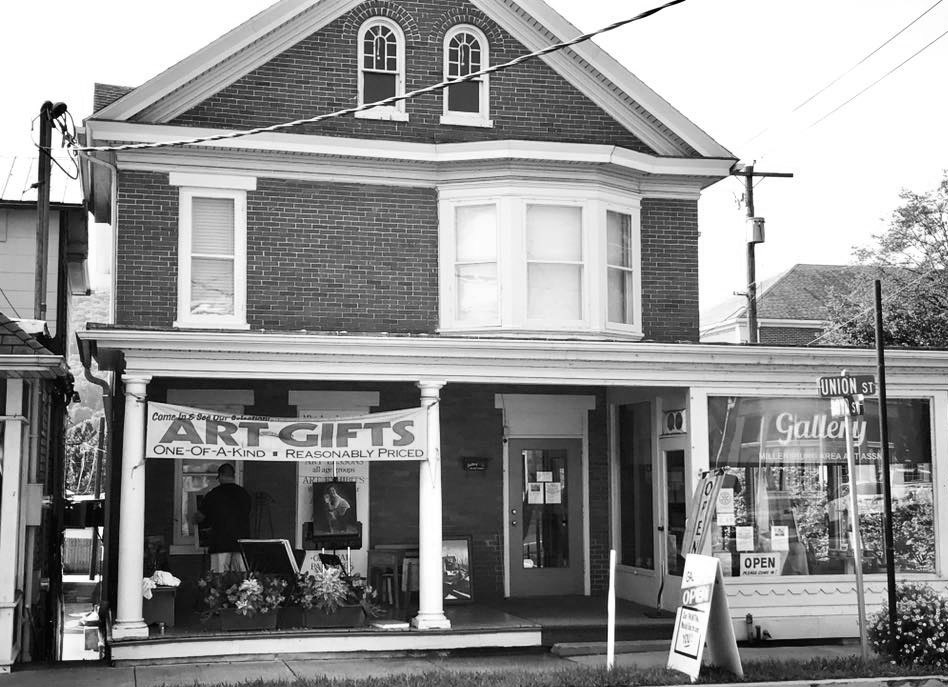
(540, 333)
(458, 119)
(211, 324)
(385, 114)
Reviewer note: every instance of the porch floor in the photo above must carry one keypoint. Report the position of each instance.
(510, 623)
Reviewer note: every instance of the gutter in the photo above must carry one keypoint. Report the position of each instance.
(113, 217)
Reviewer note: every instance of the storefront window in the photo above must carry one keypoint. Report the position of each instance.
(786, 497)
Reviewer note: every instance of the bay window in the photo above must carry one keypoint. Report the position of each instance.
(523, 260)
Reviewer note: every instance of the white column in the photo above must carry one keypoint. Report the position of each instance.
(13, 450)
(430, 590)
(129, 623)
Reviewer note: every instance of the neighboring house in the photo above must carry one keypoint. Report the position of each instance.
(519, 257)
(35, 389)
(792, 308)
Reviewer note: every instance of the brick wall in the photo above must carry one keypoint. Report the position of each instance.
(336, 257)
(146, 264)
(788, 336)
(670, 270)
(332, 257)
(318, 75)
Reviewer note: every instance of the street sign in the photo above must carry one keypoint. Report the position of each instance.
(847, 385)
(847, 406)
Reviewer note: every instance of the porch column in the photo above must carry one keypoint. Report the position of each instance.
(12, 451)
(129, 623)
(430, 592)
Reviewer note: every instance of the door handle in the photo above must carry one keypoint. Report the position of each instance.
(661, 528)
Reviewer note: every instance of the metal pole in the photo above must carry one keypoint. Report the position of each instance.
(42, 209)
(751, 259)
(886, 474)
(611, 614)
(856, 540)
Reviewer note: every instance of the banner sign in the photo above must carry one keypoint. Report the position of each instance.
(703, 616)
(181, 432)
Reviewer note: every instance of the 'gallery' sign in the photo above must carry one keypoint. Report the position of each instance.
(181, 432)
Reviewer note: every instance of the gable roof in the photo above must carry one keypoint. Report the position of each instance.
(532, 22)
(15, 341)
(800, 293)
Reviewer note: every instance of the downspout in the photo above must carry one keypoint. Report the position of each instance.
(108, 395)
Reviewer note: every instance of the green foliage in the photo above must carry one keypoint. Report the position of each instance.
(247, 593)
(323, 588)
(913, 536)
(82, 445)
(911, 259)
(920, 634)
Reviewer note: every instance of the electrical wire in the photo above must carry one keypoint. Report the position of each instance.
(884, 76)
(9, 302)
(865, 311)
(850, 70)
(48, 152)
(387, 101)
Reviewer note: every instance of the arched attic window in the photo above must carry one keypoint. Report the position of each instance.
(466, 51)
(381, 68)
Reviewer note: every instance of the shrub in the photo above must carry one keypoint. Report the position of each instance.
(247, 593)
(921, 627)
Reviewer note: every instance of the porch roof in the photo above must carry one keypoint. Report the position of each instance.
(347, 357)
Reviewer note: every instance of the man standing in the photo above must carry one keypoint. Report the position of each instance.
(225, 509)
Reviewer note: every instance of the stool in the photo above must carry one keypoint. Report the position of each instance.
(383, 579)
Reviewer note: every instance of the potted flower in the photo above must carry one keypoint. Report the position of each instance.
(321, 598)
(242, 600)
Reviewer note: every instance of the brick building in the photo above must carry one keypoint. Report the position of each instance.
(517, 255)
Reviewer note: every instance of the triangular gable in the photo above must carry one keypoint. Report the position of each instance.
(586, 66)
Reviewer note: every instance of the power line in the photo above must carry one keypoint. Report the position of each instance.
(9, 302)
(388, 101)
(884, 76)
(851, 69)
(848, 71)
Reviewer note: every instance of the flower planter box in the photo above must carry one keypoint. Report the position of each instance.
(298, 617)
(230, 620)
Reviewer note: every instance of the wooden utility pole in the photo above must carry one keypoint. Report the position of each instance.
(755, 235)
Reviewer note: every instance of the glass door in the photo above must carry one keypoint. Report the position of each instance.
(672, 529)
(545, 517)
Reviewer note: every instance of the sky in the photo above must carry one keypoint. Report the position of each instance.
(737, 68)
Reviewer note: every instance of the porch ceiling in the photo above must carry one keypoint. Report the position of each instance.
(302, 356)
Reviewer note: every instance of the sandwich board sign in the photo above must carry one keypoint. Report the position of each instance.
(703, 616)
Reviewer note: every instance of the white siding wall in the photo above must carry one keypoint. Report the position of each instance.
(18, 263)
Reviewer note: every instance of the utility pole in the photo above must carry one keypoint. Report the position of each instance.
(47, 115)
(755, 235)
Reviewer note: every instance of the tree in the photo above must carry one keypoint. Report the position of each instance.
(911, 259)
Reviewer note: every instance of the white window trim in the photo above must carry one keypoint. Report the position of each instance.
(238, 320)
(392, 113)
(478, 119)
(511, 201)
(635, 213)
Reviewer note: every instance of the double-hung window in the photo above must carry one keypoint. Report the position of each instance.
(468, 102)
(475, 269)
(212, 256)
(621, 253)
(554, 258)
(381, 68)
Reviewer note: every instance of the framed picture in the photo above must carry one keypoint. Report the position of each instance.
(334, 509)
(456, 570)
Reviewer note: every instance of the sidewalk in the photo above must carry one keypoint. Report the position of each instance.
(289, 670)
